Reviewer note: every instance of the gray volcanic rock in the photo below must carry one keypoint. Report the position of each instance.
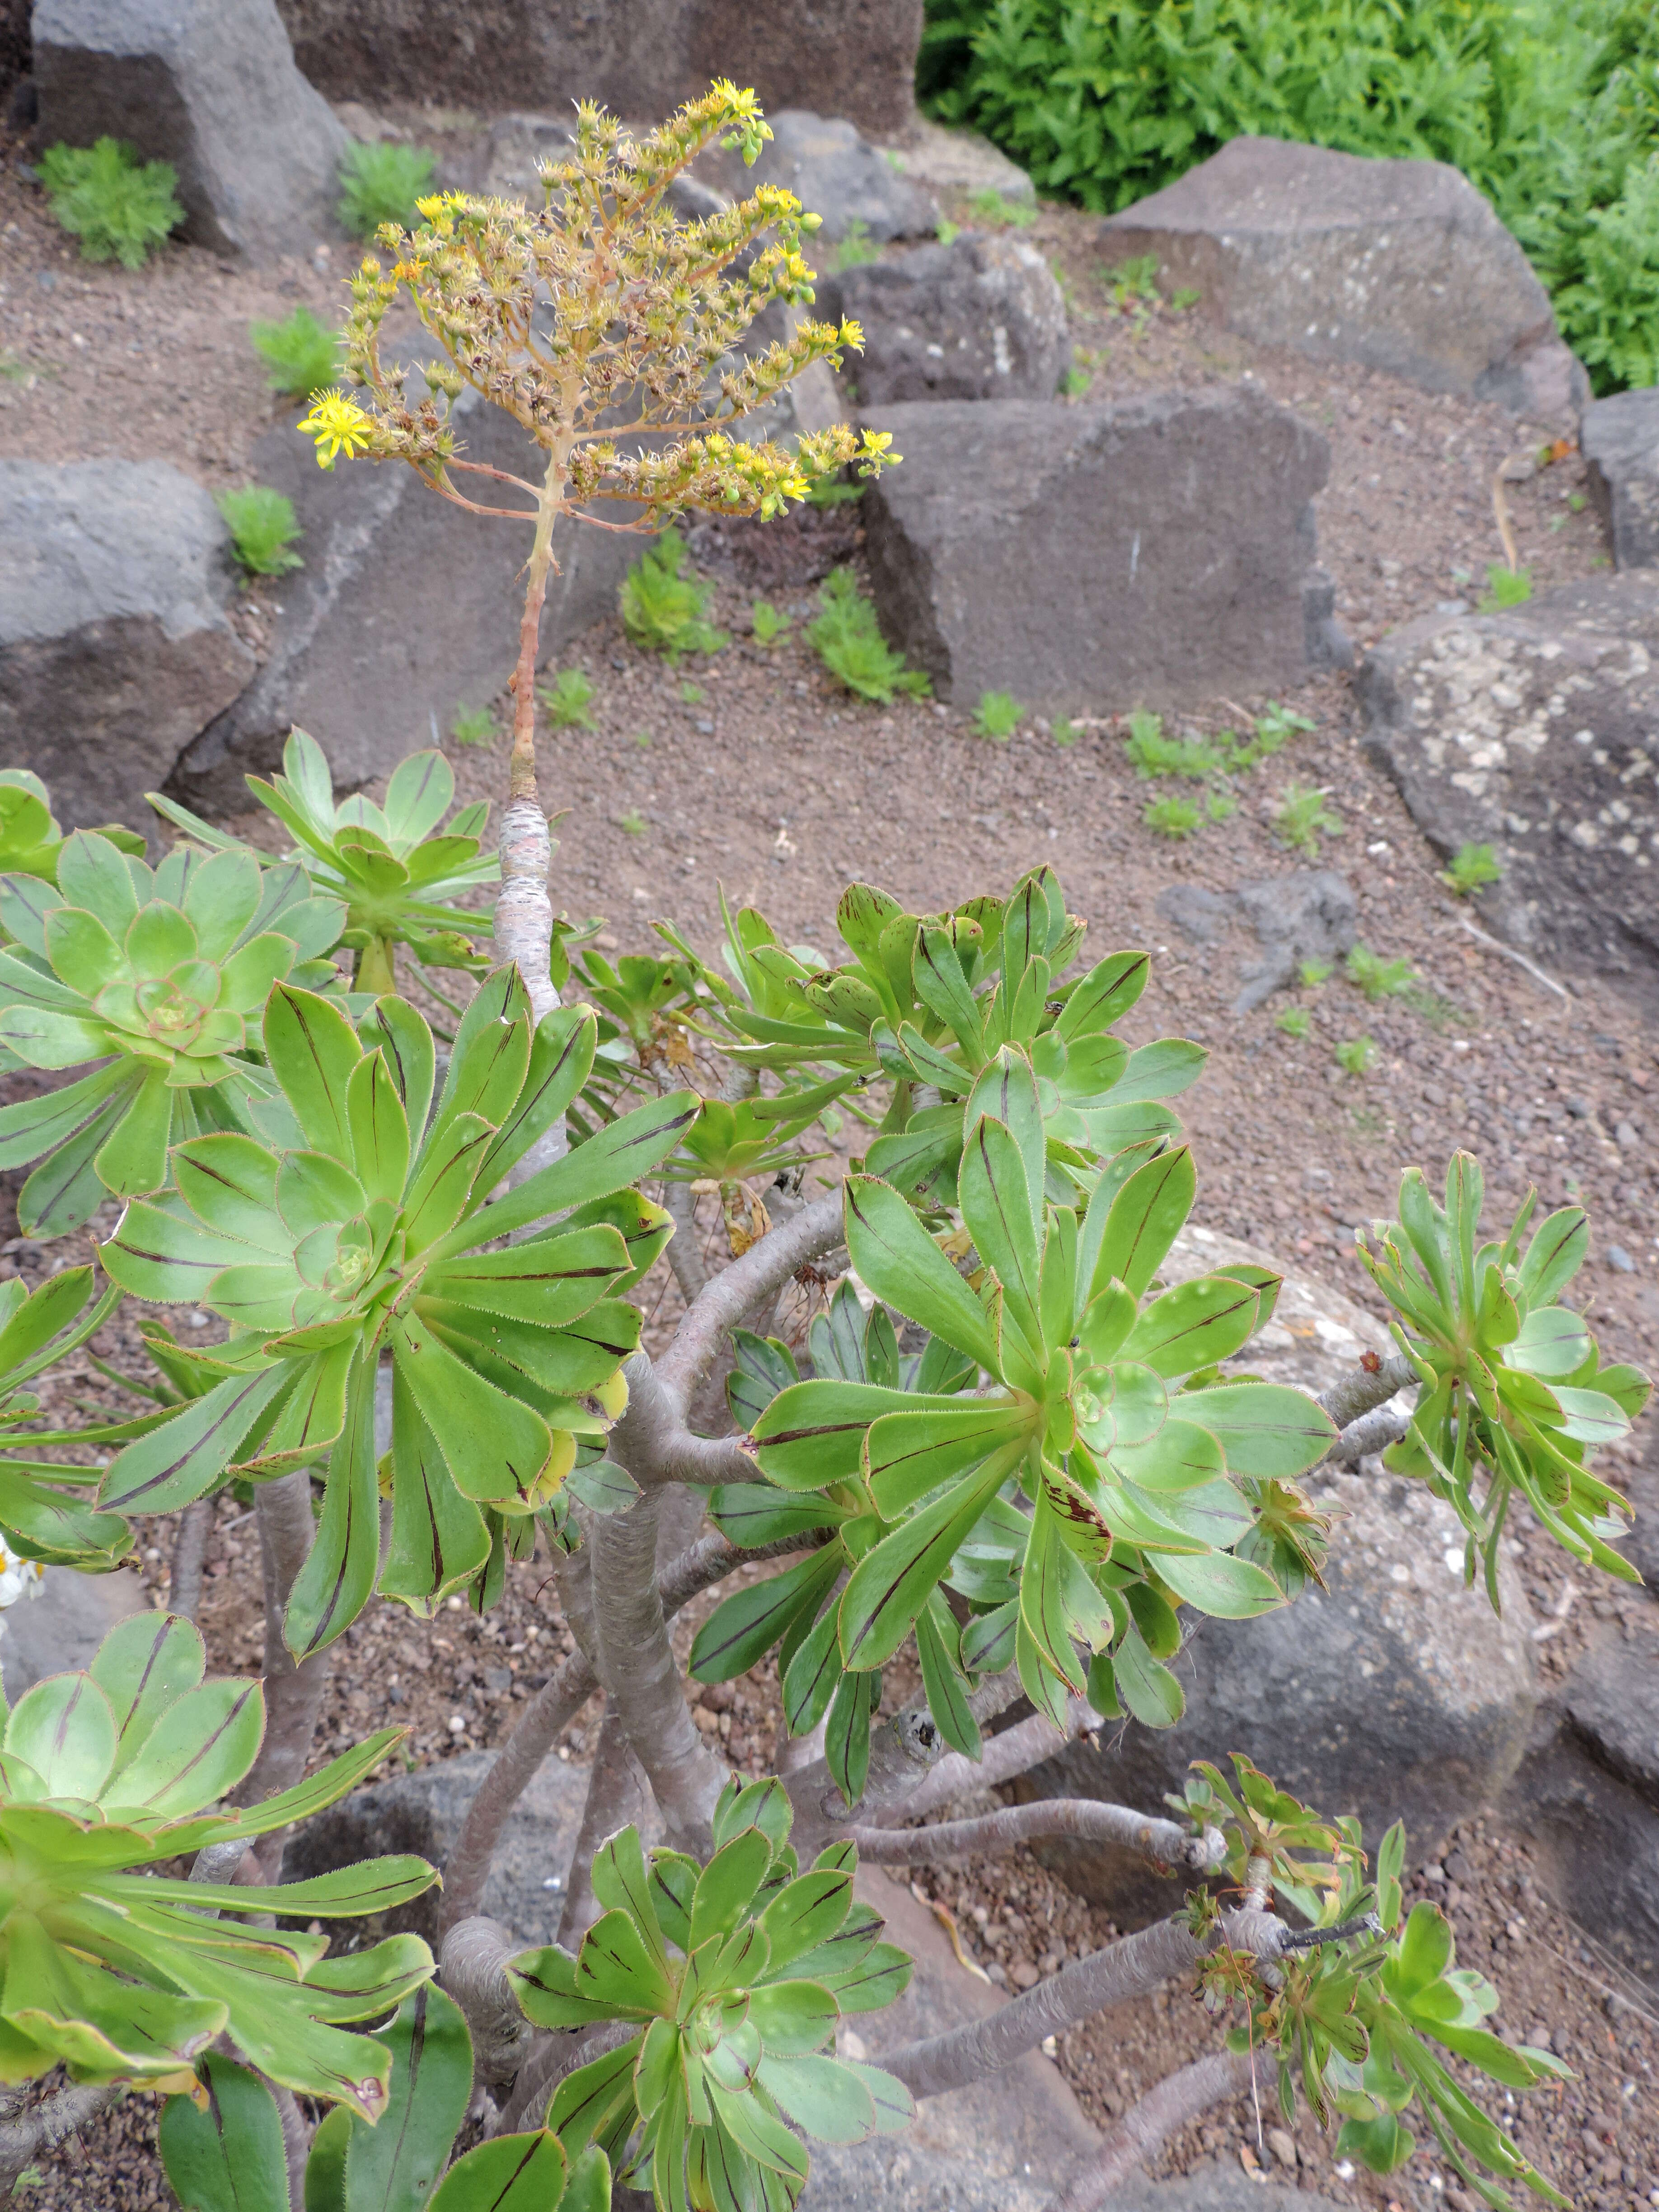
(980, 318)
(210, 86)
(1155, 551)
(114, 649)
(1533, 731)
(1619, 441)
(1393, 1692)
(1400, 265)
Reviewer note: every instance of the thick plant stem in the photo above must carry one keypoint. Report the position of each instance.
(1129, 1968)
(1017, 1750)
(474, 1955)
(1167, 1844)
(554, 2057)
(550, 1711)
(683, 1257)
(294, 1694)
(1366, 1388)
(615, 1796)
(763, 1270)
(1371, 1432)
(1145, 2127)
(296, 2141)
(641, 1679)
(189, 1550)
(58, 2116)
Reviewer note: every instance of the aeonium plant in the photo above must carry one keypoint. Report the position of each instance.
(44, 1516)
(397, 866)
(126, 1974)
(30, 838)
(1107, 1475)
(161, 975)
(729, 1980)
(1514, 1394)
(364, 1239)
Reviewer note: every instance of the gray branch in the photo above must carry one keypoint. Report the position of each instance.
(683, 1257)
(1146, 2126)
(294, 1694)
(471, 1969)
(615, 1796)
(1131, 1967)
(1165, 1843)
(43, 2129)
(189, 1548)
(553, 2057)
(763, 1270)
(1371, 1432)
(1364, 1389)
(1016, 1751)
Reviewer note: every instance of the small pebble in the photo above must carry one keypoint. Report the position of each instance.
(1024, 1975)
(1282, 2146)
(1620, 1260)
(457, 1725)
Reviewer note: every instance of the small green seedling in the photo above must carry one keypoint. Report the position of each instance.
(1133, 283)
(847, 639)
(1311, 974)
(1276, 725)
(1474, 867)
(1066, 732)
(299, 353)
(381, 184)
(856, 249)
(1303, 817)
(568, 698)
(1506, 587)
(633, 821)
(691, 695)
(829, 491)
(1295, 1021)
(947, 232)
(1171, 817)
(990, 208)
(1153, 754)
(998, 715)
(1075, 382)
(664, 607)
(1576, 502)
(1377, 977)
(1221, 807)
(1188, 296)
(473, 725)
(642, 738)
(1357, 1055)
(118, 207)
(767, 623)
(263, 528)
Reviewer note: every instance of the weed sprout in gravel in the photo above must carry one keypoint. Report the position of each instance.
(381, 184)
(263, 530)
(568, 700)
(849, 640)
(299, 353)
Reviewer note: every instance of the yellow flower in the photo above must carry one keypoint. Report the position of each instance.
(851, 334)
(338, 425)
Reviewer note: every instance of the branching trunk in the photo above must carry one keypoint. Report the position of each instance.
(615, 1796)
(58, 2116)
(554, 2057)
(1169, 1846)
(475, 1953)
(1016, 1751)
(294, 1694)
(1366, 1388)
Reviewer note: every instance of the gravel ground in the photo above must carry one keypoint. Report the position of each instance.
(779, 787)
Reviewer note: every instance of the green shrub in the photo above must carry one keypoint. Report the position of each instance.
(473, 725)
(662, 609)
(263, 529)
(567, 699)
(768, 624)
(1377, 977)
(300, 353)
(998, 715)
(1550, 108)
(380, 184)
(1357, 1055)
(1303, 817)
(1171, 817)
(1474, 867)
(846, 638)
(1506, 587)
(118, 207)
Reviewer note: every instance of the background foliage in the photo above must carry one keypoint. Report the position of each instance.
(1550, 107)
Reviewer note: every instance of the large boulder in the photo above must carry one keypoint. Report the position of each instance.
(1587, 1796)
(1394, 1691)
(210, 86)
(1157, 550)
(114, 649)
(1006, 2144)
(980, 319)
(1398, 266)
(407, 608)
(854, 57)
(421, 1812)
(1619, 441)
(1533, 731)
